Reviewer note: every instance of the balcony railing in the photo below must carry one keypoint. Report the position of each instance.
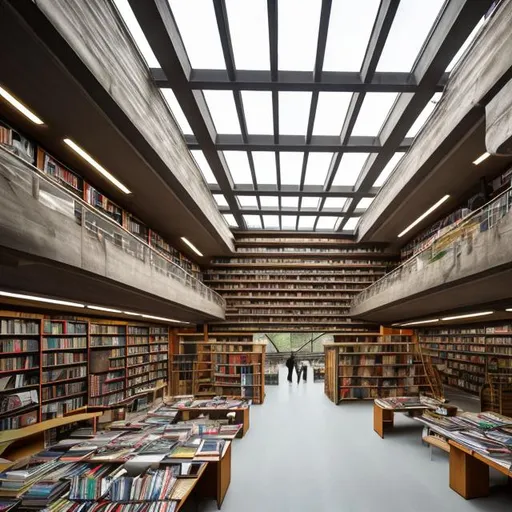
(96, 224)
(485, 218)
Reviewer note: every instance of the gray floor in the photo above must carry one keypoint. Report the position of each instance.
(303, 453)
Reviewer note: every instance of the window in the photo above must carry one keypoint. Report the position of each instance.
(253, 221)
(334, 203)
(424, 115)
(317, 168)
(364, 203)
(269, 202)
(176, 111)
(289, 202)
(373, 113)
(349, 169)
(294, 112)
(220, 200)
(466, 44)
(247, 201)
(258, 112)
(307, 222)
(265, 167)
(271, 221)
(221, 105)
(331, 111)
(204, 166)
(310, 203)
(384, 175)
(230, 219)
(326, 223)
(351, 224)
(289, 221)
(238, 164)
(291, 167)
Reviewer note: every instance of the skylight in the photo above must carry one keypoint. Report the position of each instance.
(199, 33)
(331, 112)
(310, 203)
(375, 109)
(258, 112)
(364, 203)
(326, 223)
(253, 221)
(176, 111)
(317, 168)
(384, 175)
(350, 27)
(410, 28)
(466, 44)
(334, 203)
(269, 202)
(290, 202)
(307, 222)
(351, 224)
(271, 221)
(291, 167)
(221, 105)
(247, 201)
(265, 167)
(204, 166)
(220, 200)
(230, 219)
(294, 112)
(298, 33)
(289, 221)
(350, 168)
(238, 164)
(424, 115)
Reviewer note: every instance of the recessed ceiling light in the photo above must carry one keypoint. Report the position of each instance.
(41, 299)
(192, 246)
(101, 308)
(426, 214)
(89, 159)
(469, 315)
(20, 107)
(420, 322)
(164, 319)
(481, 158)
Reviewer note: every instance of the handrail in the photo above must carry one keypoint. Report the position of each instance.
(446, 240)
(190, 280)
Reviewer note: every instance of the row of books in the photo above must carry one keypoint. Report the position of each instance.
(108, 341)
(64, 390)
(375, 360)
(64, 327)
(293, 273)
(134, 350)
(308, 249)
(18, 380)
(19, 345)
(50, 343)
(58, 409)
(294, 261)
(18, 326)
(18, 363)
(297, 311)
(57, 358)
(64, 373)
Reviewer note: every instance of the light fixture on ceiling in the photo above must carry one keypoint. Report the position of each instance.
(101, 308)
(41, 299)
(164, 319)
(131, 313)
(426, 214)
(89, 159)
(469, 315)
(192, 246)
(20, 107)
(481, 158)
(420, 322)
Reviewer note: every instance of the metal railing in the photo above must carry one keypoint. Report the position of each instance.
(96, 224)
(485, 218)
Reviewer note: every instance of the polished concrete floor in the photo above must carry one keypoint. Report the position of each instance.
(303, 453)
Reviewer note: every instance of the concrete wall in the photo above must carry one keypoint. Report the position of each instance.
(498, 120)
(470, 84)
(478, 255)
(47, 228)
(95, 32)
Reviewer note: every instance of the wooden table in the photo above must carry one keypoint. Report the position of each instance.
(383, 417)
(215, 413)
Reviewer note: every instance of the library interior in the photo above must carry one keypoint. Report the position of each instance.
(255, 255)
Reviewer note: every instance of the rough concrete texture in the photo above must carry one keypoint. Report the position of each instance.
(96, 33)
(498, 118)
(470, 82)
(47, 228)
(471, 257)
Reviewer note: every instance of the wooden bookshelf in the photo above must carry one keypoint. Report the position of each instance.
(373, 365)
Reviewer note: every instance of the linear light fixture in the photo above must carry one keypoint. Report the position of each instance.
(426, 214)
(469, 315)
(481, 158)
(192, 246)
(20, 107)
(164, 319)
(101, 308)
(421, 322)
(508, 309)
(41, 299)
(131, 313)
(88, 158)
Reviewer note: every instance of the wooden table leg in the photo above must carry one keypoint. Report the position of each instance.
(245, 421)
(223, 476)
(382, 419)
(469, 477)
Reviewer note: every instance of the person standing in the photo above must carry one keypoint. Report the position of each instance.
(290, 364)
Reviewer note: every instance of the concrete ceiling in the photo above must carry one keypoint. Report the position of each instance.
(32, 72)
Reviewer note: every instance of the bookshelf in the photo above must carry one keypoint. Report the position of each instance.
(372, 365)
(219, 364)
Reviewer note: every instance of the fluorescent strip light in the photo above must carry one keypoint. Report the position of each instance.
(101, 308)
(20, 107)
(131, 313)
(88, 158)
(164, 319)
(470, 315)
(426, 214)
(421, 322)
(508, 309)
(481, 158)
(192, 246)
(41, 299)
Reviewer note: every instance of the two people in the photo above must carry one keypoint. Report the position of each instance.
(292, 363)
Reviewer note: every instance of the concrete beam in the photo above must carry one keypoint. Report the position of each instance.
(498, 120)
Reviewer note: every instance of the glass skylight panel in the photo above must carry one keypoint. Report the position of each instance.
(230, 219)
(465, 45)
(238, 164)
(412, 23)
(291, 167)
(327, 223)
(317, 168)
(247, 201)
(384, 175)
(373, 113)
(258, 112)
(220, 200)
(298, 22)
(253, 221)
(364, 203)
(123, 6)
(198, 29)
(331, 111)
(204, 166)
(265, 167)
(221, 105)
(334, 203)
(424, 115)
(271, 221)
(351, 224)
(288, 221)
(294, 112)
(269, 202)
(248, 27)
(289, 202)
(310, 203)
(349, 169)
(176, 111)
(350, 27)
(306, 222)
